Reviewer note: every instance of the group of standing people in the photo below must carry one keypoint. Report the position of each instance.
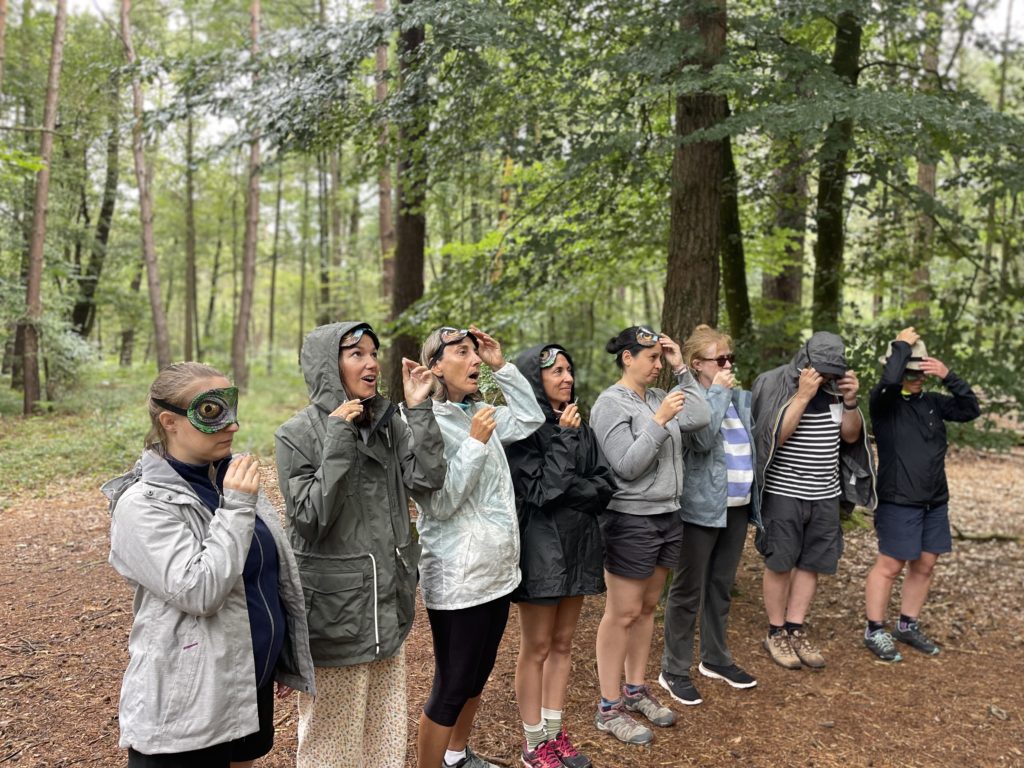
(523, 502)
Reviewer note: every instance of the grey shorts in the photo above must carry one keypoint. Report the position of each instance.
(635, 544)
(801, 534)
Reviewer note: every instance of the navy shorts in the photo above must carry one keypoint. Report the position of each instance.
(635, 544)
(801, 533)
(905, 532)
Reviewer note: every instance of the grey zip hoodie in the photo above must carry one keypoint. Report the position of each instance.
(646, 457)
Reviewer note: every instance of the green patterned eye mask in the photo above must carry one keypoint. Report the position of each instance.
(210, 411)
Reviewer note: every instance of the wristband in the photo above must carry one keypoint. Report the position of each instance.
(850, 407)
(680, 371)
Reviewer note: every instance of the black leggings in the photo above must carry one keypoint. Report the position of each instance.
(465, 646)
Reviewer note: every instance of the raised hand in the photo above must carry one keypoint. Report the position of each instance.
(849, 385)
(570, 417)
(417, 382)
(670, 406)
(483, 424)
(934, 367)
(243, 475)
(671, 352)
(810, 380)
(724, 378)
(349, 410)
(908, 335)
(489, 349)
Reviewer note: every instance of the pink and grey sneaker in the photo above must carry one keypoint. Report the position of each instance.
(567, 753)
(544, 756)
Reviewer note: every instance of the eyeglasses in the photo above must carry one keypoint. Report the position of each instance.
(448, 335)
(548, 355)
(721, 360)
(645, 337)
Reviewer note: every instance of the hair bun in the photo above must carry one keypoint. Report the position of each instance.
(702, 327)
(612, 347)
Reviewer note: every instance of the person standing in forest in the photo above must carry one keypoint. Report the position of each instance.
(470, 535)
(912, 519)
(719, 499)
(218, 614)
(562, 484)
(807, 426)
(345, 465)
(639, 429)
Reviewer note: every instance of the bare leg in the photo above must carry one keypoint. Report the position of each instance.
(916, 584)
(460, 733)
(536, 627)
(638, 645)
(801, 593)
(878, 588)
(559, 662)
(431, 742)
(776, 595)
(622, 607)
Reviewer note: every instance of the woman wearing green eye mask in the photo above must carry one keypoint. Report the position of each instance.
(219, 613)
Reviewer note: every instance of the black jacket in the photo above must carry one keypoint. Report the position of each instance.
(562, 482)
(911, 434)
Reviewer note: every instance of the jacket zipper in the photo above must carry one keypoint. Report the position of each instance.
(376, 626)
(266, 605)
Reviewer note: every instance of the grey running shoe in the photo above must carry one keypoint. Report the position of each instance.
(806, 650)
(915, 638)
(471, 760)
(680, 688)
(623, 727)
(881, 644)
(732, 674)
(781, 650)
(648, 706)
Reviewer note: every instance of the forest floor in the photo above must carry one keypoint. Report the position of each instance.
(65, 616)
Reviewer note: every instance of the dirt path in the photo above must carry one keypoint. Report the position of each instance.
(65, 616)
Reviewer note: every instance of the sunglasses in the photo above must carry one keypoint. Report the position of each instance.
(210, 411)
(645, 337)
(449, 335)
(913, 375)
(352, 338)
(548, 355)
(721, 360)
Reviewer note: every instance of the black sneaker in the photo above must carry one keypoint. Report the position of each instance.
(732, 674)
(680, 688)
(880, 643)
(915, 638)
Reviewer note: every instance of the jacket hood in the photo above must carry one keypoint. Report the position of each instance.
(824, 351)
(528, 363)
(319, 362)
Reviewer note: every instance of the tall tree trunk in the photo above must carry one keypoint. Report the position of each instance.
(385, 213)
(33, 293)
(274, 254)
(240, 341)
(324, 312)
(734, 263)
(143, 179)
(128, 333)
(352, 249)
(830, 244)
(3, 41)
(338, 292)
(691, 284)
(411, 225)
(214, 274)
(303, 258)
(924, 231)
(191, 310)
(83, 316)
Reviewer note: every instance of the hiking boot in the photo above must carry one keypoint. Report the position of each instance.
(563, 747)
(781, 650)
(806, 650)
(544, 756)
(648, 706)
(471, 760)
(915, 638)
(880, 643)
(680, 688)
(623, 727)
(732, 674)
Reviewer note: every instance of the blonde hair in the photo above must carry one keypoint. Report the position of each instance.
(430, 347)
(703, 336)
(172, 385)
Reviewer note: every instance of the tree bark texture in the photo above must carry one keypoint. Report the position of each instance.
(143, 180)
(734, 263)
(33, 291)
(692, 278)
(3, 41)
(924, 231)
(274, 256)
(830, 244)
(385, 212)
(411, 225)
(191, 310)
(240, 340)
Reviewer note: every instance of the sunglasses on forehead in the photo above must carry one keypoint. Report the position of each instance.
(721, 360)
(645, 337)
(548, 355)
(448, 335)
(352, 338)
(210, 411)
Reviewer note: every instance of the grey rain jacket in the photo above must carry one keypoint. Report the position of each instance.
(562, 482)
(706, 484)
(468, 528)
(191, 677)
(348, 511)
(773, 391)
(646, 457)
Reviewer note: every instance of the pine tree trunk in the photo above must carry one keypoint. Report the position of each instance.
(191, 311)
(214, 274)
(924, 231)
(240, 341)
(830, 244)
(385, 212)
(692, 277)
(143, 180)
(274, 255)
(324, 312)
(33, 293)
(303, 258)
(734, 263)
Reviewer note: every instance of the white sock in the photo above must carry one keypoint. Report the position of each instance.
(534, 734)
(451, 758)
(552, 721)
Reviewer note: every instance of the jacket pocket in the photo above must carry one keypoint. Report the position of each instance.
(407, 557)
(339, 608)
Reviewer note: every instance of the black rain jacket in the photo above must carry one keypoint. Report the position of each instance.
(910, 433)
(562, 483)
